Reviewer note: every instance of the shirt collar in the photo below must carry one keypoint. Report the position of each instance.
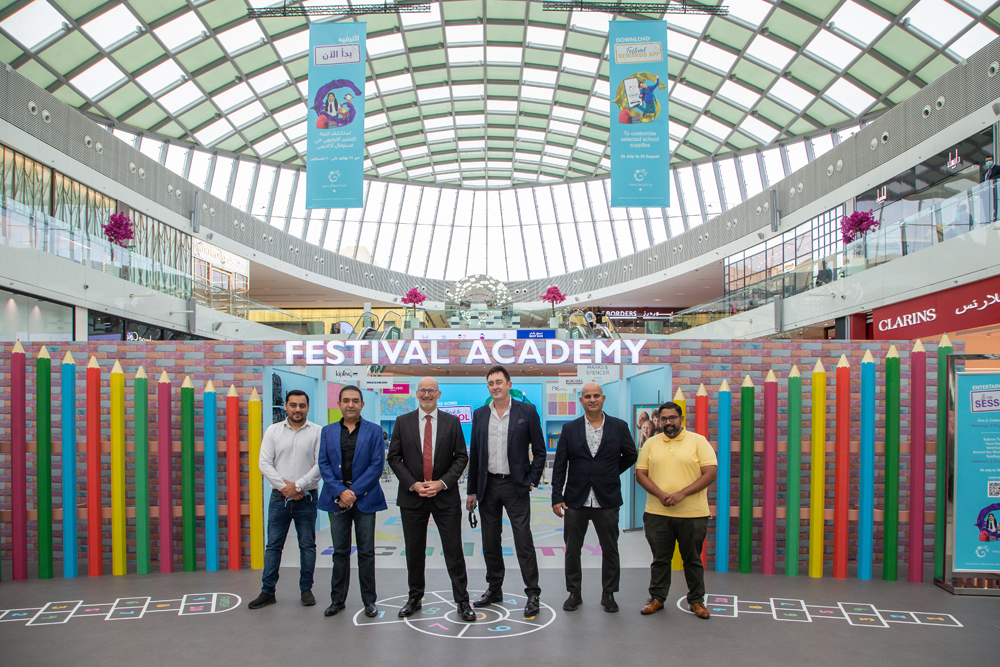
(307, 424)
(493, 408)
(680, 435)
(587, 422)
(423, 415)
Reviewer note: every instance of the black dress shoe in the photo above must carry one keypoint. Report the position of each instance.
(371, 611)
(411, 606)
(261, 600)
(488, 598)
(608, 602)
(465, 612)
(532, 608)
(334, 608)
(308, 599)
(572, 602)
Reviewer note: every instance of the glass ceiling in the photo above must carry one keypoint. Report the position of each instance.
(487, 95)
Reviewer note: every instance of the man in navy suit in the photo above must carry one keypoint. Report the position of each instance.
(501, 475)
(597, 449)
(351, 459)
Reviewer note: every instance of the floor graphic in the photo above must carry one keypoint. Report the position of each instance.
(439, 617)
(122, 609)
(784, 609)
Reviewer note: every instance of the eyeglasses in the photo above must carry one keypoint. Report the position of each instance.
(672, 419)
(427, 392)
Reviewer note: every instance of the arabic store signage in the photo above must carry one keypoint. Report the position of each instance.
(966, 307)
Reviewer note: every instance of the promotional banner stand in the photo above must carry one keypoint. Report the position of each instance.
(971, 550)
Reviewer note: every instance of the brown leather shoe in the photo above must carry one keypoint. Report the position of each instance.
(699, 610)
(652, 606)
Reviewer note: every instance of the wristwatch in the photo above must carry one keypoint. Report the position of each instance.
(298, 488)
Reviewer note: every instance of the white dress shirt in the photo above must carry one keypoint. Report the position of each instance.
(594, 436)
(434, 433)
(496, 441)
(289, 454)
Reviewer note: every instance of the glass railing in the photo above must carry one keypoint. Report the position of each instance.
(940, 221)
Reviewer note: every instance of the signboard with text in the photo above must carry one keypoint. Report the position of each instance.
(957, 309)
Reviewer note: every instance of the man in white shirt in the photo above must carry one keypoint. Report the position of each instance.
(289, 453)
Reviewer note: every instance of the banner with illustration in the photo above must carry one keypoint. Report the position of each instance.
(336, 136)
(977, 472)
(640, 139)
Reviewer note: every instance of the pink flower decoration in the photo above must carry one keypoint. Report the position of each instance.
(553, 296)
(856, 225)
(414, 297)
(119, 229)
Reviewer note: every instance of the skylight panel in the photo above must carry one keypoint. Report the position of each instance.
(769, 52)
(471, 145)
(524, 176)
(448, 177)
(540, 94)
(594, 21)
(566, 128)
(545, 37)
(181, 97)
(377, 120)
(758, 129)
(558, 151)
(422, 171)
(235, 96)
(527, 157)
(465, 55)
(750, 11)
(251, 113)
(471, 90)
(976, 38)
(446, 135)
(180, 31)
(111, 26)
(849, 96)
(463, 34)
(371, 90)
(712, 127)
(530, 135)
(240, 37)
(291, 115)
(860, 23)
(590, 146)
(555, 161)
(540, 76)
(470, 120)
(96, 79)
(270, 144)
(689, 95)
(680, 44)
(292, 47)
(834, 50)
(598, 105)
(34, 24)
(691, 22)
(602, 88)
(269, 80)
(214, 132)
(580, 63)
(790, 94)
(739, 95)
(392, 84)
(302, 146)
(296, 132)
(438, 123)
(427, 18)
(426, 95)
(565, 113)
(160, 77)
(504, 54)
(938, 19)
(501, 106)
(393, 168)
(380, 46)
(384, 147)
(714, 57)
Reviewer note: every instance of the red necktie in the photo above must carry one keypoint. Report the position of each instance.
(428, 451)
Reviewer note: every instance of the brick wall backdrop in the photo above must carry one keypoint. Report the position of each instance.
(241, 365)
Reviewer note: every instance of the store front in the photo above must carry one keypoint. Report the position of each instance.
(953, 311)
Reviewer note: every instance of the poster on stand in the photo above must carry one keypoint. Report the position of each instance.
(977, 472)
(336, 131)
(640, 132)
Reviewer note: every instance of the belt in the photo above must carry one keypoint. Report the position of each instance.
(497, 475)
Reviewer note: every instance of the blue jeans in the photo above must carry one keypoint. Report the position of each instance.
(340, 531)
(280, 514)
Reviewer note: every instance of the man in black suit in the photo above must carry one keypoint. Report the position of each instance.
(597, 449)
(427, 453)
(501, 475)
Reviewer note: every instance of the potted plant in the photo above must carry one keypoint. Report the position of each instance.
(118, 229)
(856, 225)
(553, 296)
(414, 298)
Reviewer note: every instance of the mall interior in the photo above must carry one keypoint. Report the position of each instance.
(826, 363)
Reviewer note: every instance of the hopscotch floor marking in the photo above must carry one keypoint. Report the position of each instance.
(134, 608)
(500, 620)
(857, 614)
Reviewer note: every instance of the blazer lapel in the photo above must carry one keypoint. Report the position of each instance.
(513, 409)
(335, 454)
(362, 427)
(439, 439)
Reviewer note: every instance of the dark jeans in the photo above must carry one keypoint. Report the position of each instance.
(500, 495)
(340, 531)
(280, 514)
(575, 529)
(689, 534)
(449, 525)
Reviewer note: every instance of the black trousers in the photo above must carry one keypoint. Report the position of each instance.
(500, 495)
(689, 534)
(449, 525)
(575, 529)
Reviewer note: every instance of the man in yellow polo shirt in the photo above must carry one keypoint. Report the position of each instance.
(675, 467)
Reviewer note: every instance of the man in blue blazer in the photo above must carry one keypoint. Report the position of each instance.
(351, 460)
(597, 449)
(501, 474)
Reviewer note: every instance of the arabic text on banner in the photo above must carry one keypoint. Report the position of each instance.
(977, 473)
(640, 139)
(336, 133)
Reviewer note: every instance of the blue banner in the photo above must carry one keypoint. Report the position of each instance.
(336, 152)
(977, 473)
(640, 138)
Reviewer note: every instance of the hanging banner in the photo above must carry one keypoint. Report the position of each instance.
(336, 136)
(640, 139)
(977, 473)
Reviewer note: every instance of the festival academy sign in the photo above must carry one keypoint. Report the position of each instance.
(336, 130)
(640, 140)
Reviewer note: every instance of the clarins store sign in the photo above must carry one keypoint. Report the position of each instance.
(966, 307)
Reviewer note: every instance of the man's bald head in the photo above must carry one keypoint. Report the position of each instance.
(592, 399)
(428, 393)
(592, 387)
